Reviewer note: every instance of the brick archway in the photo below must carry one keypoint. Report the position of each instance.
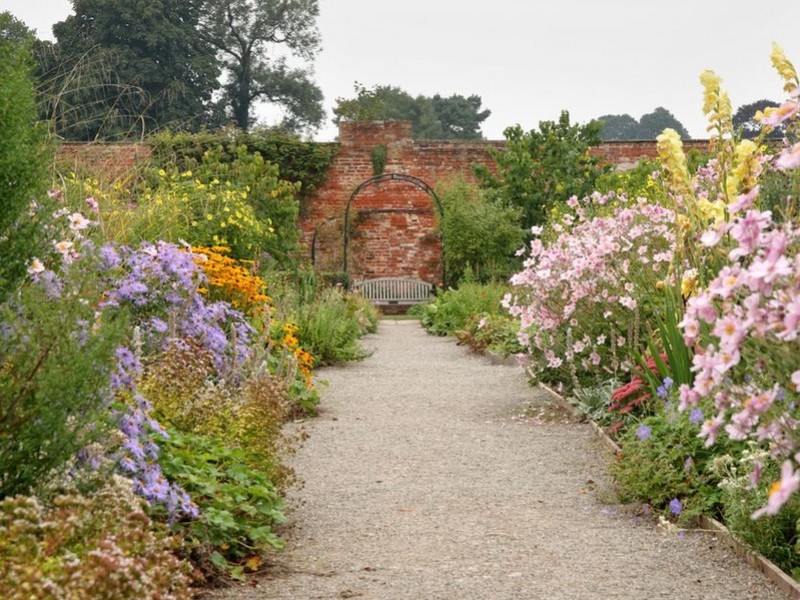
(416, 181)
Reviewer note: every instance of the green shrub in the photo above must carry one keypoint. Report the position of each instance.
(84, 547)
(479, 235)
(178, 206)
(494, 333)
(451, 311)
(54, 377)
(239, 506)
(330, 326)
(663, 460)
(23, 156)
(775, 537)
(246, 412)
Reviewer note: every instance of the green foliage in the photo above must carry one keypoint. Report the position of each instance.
(253, 39)
(179, 206)
(139, 66)
(379, 155)
(82, 547)
(239, 506)
(330, 326)
(625, 127)
(593, 402)
(452, 310)
(542, 169)
(433, 118)
(673, 462)
(299, 162)
(23, 156)
(249, 414)
(478, 234)
(492, 333)
(57, 358)
(775, 537)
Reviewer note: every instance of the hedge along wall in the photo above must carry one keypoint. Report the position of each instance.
(392, 224)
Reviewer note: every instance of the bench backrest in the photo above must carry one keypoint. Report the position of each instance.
(395, 290)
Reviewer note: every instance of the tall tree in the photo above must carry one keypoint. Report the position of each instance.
(133, 60)
(649, 127)
(653, 124)
(437, 117)
(543, 167)
(253, 38)
(744, 121)
(619, 127)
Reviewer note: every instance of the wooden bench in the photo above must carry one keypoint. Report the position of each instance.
(400, 291)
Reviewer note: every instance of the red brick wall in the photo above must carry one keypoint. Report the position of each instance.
(397, 243)
(392, 224)
(112, 160)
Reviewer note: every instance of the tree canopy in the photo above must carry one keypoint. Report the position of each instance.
(744, 121)
(650, 126)
(436, 117)
(131, 63)
(542, 168)
(126, 67)
(251, 38)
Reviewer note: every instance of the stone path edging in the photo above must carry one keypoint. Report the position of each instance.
(776, 575)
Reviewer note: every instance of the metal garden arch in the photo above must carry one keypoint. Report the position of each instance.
(389, 177)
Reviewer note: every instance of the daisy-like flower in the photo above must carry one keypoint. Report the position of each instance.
(64, 247)
(780, 491)
(36, 267)
(77, 222)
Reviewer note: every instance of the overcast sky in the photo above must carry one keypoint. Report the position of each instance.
(529, 59)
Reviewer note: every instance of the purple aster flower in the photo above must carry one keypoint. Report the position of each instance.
(643, 432)
(696, 416)
(675, 506)
(109, 256)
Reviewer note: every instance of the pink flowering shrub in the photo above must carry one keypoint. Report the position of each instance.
(581, 298)
(745, 328)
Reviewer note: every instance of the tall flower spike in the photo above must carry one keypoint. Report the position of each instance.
(670, 152)
(785, 69)
(716, 104)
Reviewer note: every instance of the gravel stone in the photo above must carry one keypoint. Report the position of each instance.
(433, 474)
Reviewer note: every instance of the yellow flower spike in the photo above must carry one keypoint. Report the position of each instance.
(746, 170)
(711, 83)
(670, 152)
(785, 69)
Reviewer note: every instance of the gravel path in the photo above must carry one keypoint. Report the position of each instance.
(432, 474)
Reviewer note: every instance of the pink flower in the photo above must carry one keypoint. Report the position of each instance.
(710, 429)
(744, 201)
(796, 380)
(789, 158)
(702, 307)
(747, 231)
(780, 491)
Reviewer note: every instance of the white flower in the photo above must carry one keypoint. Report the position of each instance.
(63, 247)
(35, 267)
(77, 222)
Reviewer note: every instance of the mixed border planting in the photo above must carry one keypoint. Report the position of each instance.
(158, 339)
(664, 305)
